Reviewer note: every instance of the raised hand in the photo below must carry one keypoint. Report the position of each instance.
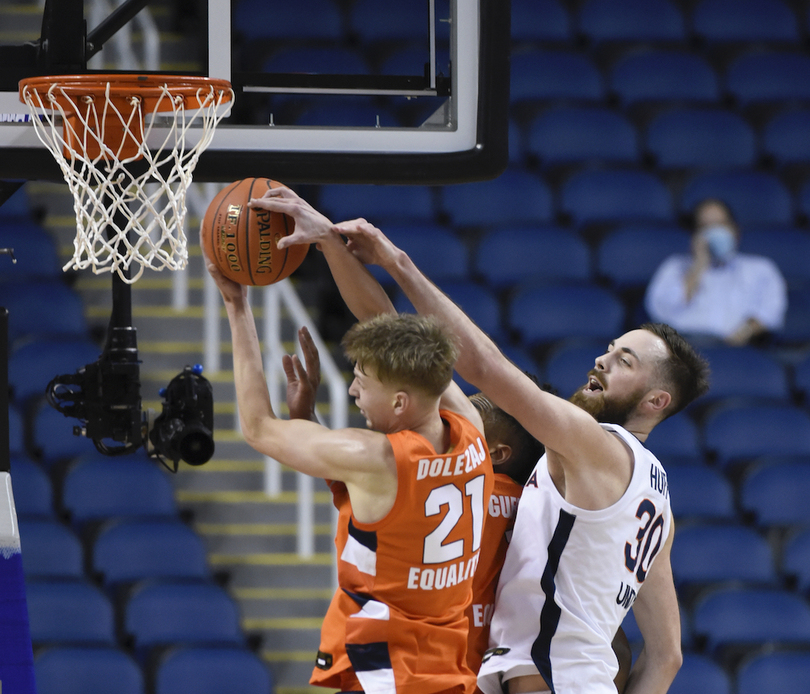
(230, 290)
(310, 225)
(302, 383)
(367, 243)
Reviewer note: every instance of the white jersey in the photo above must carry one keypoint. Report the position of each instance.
(570, 577)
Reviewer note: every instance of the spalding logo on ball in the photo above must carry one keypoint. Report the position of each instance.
(242, 241)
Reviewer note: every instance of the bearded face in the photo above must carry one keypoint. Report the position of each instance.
(605, 408)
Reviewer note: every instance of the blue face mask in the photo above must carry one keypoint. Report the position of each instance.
(722, 242)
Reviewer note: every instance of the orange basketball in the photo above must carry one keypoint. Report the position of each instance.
(241, 240)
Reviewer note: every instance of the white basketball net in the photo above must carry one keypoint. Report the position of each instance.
(127, 221)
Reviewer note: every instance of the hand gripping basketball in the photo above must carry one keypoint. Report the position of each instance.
(242, 240)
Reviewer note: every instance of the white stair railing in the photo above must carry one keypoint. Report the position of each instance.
(277, 300)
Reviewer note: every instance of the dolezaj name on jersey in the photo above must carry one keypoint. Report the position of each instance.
(450, 466)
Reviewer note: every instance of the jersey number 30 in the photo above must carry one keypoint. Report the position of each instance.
(651, 530)
(435, 550)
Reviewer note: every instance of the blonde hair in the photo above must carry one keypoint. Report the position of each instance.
(404, 350)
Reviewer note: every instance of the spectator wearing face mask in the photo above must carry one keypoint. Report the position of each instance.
(716, 291)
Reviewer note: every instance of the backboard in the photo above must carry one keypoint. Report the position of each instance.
(326, 91)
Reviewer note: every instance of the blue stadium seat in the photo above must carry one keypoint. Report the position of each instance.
(17, 207)
(517, 144)
(69, 612)
(769, 78)
(786, 137)
(212, 671)
(96, 488)
(786, 246)
(50, 550)
(130, 550)
(508, 256)
(700, 138)
(786, 672)
(53, 437)
(736, 435)
(540, 21)
(698, 492)
(628, 256)
(658, 76)
(377, 204)
(159, 613)
(775, 493)
(699, 673)
(750, 617)
(323, 60)
(315, 20)
(33, 491)
(765, 378)
(617, 196)
(545, 313)
(34, 249)
(576, 134)
(345, 114)
(87, 670)
(744, 21)
(796, 330)
(707, 553)
(477, 301)
(568, 364)
(755, 197)
(435, 250)
(631, 20)
(515, 197)
(412, 60)
(801, 377)
(16, 431)
(32, 365)
(796, 559)
(374, 22)
(40, 309)
(540, 76)
(676, 440)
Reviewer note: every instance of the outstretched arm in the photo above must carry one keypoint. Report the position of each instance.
(561, 426)
(362, 293)
(346, 455)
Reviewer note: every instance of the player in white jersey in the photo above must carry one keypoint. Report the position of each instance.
(590, 573)
(645, 376)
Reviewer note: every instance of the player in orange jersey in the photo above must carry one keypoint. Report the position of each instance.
(412, 493)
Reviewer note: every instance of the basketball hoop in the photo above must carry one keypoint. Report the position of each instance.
(120, 141)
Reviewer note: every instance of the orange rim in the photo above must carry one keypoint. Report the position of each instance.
(148, 88)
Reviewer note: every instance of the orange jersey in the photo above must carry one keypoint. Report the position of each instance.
(497, 532)
(398, 622)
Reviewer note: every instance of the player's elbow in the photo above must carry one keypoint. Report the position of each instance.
(671, 660)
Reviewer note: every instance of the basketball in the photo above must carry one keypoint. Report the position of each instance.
(241, 240)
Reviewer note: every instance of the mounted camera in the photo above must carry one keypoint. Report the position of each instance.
(105, 397)
(184, 429)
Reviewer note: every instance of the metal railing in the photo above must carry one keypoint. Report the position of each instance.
(277, 299)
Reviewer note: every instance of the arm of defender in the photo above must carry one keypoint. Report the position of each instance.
(657, 616)
(560, 425)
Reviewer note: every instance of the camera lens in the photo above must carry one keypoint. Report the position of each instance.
(197, 445)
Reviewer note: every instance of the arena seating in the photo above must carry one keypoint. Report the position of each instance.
(623, 115)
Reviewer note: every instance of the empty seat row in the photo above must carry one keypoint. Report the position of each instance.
(182, 670)
(676, 139)
(598, 21)
(761, 77)
(588, 196)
